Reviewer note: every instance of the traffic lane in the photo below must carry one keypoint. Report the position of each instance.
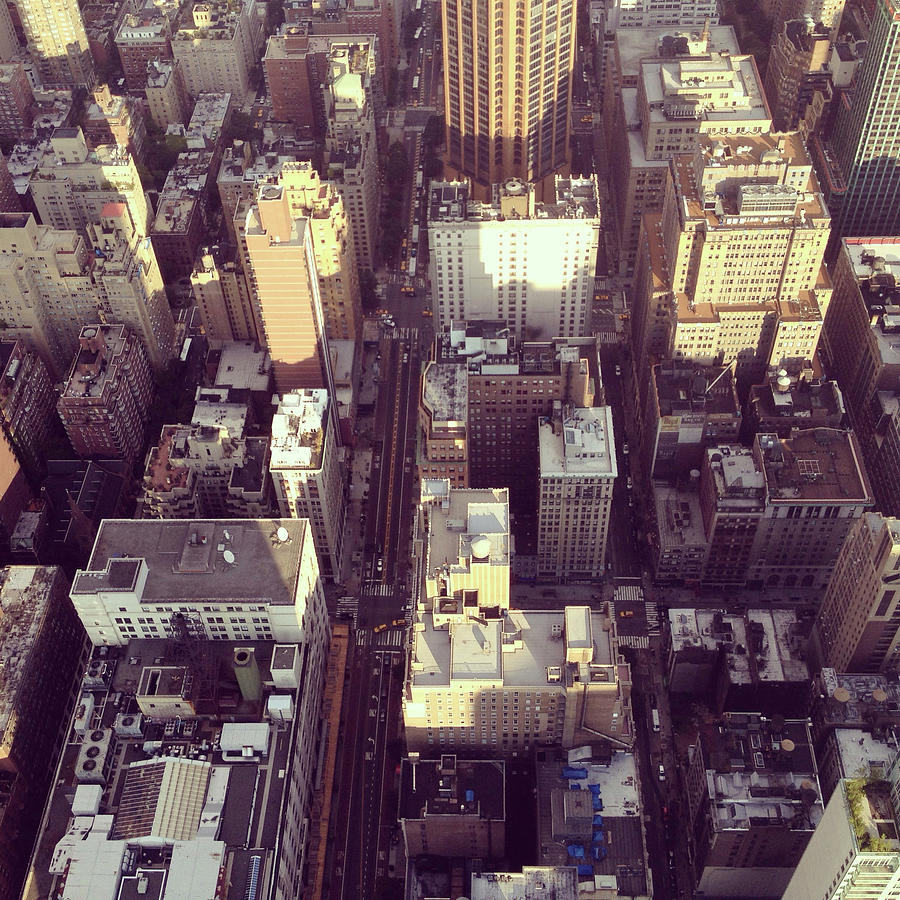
(400, 423)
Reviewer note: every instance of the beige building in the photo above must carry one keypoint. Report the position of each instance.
(508, 73)
(54, 30)
(653, 110)
(481, 675)
(860, 342)
(129, 285)
(530, 264)
(218, 45)
(73, 184)
(168, 102)
(107, 395)
(222, 298)
(577, 471)
(333, 247)
(307, 470)
(351, 144)
(442, 450)
(858, 626)
(731, 271)
(280, 265)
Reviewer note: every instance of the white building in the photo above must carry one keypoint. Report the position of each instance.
(653, 13)
(233, 579)
(308, 473)
(529, 264)
(577, 473)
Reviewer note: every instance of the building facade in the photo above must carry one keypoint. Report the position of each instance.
(508, 74)
(530, 264)
(107, 395)
(222, 297)
(54, 30)
(577, 470)
(308, 473)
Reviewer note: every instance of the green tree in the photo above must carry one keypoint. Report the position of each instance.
(396, 170)
(367, 285)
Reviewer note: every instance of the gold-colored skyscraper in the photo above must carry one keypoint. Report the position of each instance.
(58, 40)
(508, 70)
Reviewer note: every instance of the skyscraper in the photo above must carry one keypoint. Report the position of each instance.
(866, 139)
(56, 37)
(508, 72)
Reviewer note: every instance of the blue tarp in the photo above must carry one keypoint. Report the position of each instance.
(585, 870)
(598, 820)
(597, 802)
(571, 772)
(599, 837)
(574, 786)
(594, 788)
(598, 852)
(576, 851)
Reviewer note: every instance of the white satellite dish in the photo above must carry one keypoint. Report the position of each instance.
(282, 533)
(228, 556)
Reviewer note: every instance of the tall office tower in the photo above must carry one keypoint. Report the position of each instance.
(577, 472)
(107, 396)
(351, 147)
(864, 196)
(731, 271)
(308, 473)
(663, 108)
(536, 677)
(218, 45)
(9, 42)
(858, 625)
(27, 403)
(210, 468)
(798, 67)
(508, 74)
(853, 853)
(57, 40)
(129, 285)
(222, 298)
(860, 341)
(825, 12)
(115, 119)
(332, 245)
(529, 264)
(73, 184)
(280, 265)
(40, 631)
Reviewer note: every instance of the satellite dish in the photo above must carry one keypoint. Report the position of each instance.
(481, 547)
(282, 533)
(841, 694)
(788, 745)
(228, 556)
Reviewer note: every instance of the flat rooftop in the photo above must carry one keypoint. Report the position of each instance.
(445, 391)
(815, 465)
(242, 365)
(451, 786)
(298, 430)
(633, 45)
(579, 445)
(684, 389)
(801, 399)
(168, 780)
(622, 869)
(679, 518)
(517, 649)
(532, 883)
(876, 265)
(185, 559)
(466, 515)
(855, 699)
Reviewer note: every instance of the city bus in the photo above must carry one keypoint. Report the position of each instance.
(415, 86)
(418, 33)
(654, 713)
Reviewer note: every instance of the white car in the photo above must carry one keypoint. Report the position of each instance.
(662, 773)
(625, 449)
(618, 371)
(629, 483)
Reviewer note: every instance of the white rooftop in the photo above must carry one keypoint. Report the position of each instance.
(298, 430)
(582, 444)
(858, 749)
(241, 365)
(517, 648)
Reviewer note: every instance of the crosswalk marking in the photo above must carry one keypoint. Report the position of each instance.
(607, 337)
(402, 333)
(363, 637)
(652, 614)
(377, 589)
(393, 637)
